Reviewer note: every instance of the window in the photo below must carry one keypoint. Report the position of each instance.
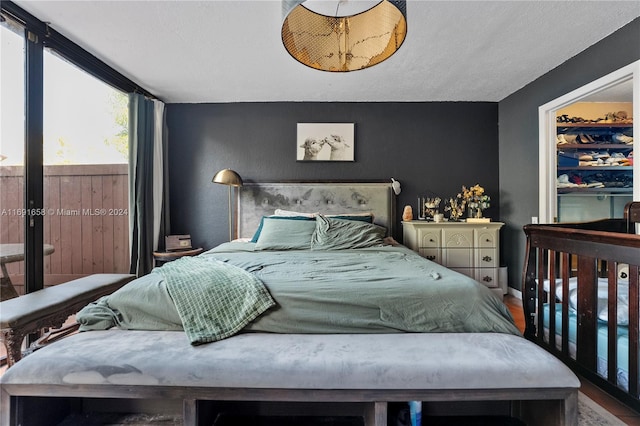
(64, 136)
(12, 137)
(85, 157)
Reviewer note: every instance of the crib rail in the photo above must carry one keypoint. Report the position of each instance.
(558, 253)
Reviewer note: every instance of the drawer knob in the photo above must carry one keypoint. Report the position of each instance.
(488, 240)
(487, 258)
(487, 279)
(431, 257)
(431, 240)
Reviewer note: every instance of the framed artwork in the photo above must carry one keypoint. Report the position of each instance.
(325, 142)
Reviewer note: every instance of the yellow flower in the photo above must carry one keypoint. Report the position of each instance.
(473, 194)
(477, 190)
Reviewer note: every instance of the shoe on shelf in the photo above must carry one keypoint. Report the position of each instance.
(584, 138)
(622, 138)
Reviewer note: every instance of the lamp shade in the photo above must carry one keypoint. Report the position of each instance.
(343, 35)
(227, 177)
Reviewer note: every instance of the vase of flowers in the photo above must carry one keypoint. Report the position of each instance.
(455, 206)
(476, 201)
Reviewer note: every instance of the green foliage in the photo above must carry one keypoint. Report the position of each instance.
(119, 103)
(64, 152)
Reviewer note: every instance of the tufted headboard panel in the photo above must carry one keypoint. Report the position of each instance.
(262, 199)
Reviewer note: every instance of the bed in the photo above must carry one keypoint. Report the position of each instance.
(589, 275)
(317, 309)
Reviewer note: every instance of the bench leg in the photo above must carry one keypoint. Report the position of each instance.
(7, 290)
(190, 412)
(5, 408)
(570, 406)
(562, 412)
(375, 414)
(12, 340)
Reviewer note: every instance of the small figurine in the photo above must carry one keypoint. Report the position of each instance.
(407, 213)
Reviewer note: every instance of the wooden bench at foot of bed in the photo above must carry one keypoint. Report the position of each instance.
(50, 308)
(369, 370)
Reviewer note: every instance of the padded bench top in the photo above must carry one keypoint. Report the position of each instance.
(295, 361)
(25, 309)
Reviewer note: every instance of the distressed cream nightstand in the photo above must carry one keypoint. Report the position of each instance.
(470, 248)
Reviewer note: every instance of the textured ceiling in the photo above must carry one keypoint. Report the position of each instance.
(230, 51)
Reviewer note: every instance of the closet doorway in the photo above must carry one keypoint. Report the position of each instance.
(586, 146)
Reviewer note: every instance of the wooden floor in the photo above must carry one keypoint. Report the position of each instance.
(619, 410)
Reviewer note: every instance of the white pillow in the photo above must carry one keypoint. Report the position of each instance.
(280, 212)
(603, 295)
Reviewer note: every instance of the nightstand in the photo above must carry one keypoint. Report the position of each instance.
(470, 248)
(162, 257)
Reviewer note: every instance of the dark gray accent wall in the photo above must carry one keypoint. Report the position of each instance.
(518, 118)
(429, 147)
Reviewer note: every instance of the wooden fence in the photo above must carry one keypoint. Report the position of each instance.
(86, 220)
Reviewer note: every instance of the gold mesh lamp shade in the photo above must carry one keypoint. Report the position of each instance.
(230, 178)
(343, 35)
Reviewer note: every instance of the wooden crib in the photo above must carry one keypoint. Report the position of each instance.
(595, 266)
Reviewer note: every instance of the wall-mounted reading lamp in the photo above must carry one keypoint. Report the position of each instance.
(230, 178)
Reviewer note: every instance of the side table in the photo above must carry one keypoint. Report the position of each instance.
(467, 247)
(162, 257)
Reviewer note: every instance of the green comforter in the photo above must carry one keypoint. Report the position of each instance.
(213, 300)
(374, 290)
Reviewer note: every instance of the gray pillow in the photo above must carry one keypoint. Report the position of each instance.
(284, 234)
(337, 234)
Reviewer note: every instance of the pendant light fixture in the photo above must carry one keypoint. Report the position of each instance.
(343, 35)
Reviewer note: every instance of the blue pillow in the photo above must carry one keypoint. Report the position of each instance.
(259, 230)
(282, 234)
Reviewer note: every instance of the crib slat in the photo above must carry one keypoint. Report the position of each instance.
(529, 291)
(587, 312)
(540, 298)
(565, 303)
(552, 301)
(612, 326)
(634, 304)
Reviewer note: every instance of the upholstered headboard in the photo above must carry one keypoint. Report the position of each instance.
(262, 199)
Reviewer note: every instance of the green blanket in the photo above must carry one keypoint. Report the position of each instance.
(213, 300)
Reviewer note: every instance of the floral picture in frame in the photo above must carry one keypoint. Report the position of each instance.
(325, 142)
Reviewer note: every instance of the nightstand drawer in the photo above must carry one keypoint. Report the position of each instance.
(458, 258)
(470, 272)
(487, 238)
(433, 254)
(487, 276)
(429, 239)
(487, 258)
(455, 238)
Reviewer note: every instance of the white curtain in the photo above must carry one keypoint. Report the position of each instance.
(158, 169)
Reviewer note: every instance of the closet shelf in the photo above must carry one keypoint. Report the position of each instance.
(593, 168)
(595, 146)
(594, 191)
(582, 125)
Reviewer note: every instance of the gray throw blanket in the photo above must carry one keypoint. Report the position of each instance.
(212, 299)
